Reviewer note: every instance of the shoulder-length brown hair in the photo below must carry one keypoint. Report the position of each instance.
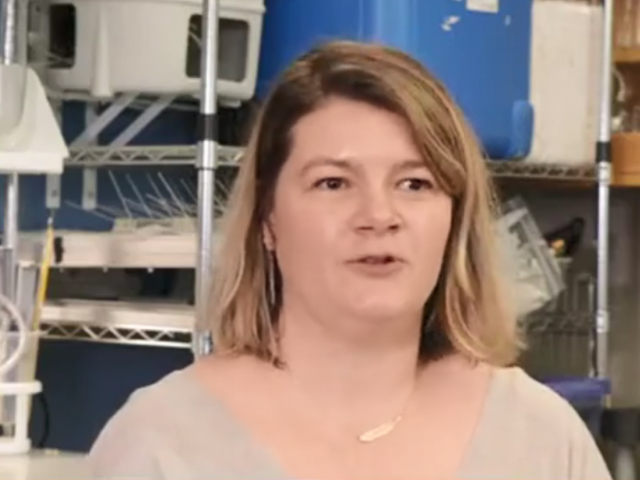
(469, 311)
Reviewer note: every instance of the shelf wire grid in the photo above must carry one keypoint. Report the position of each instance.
(560, 337)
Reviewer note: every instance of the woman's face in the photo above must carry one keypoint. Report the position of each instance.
(359, 225)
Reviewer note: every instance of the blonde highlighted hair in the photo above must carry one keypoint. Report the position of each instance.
(467, 311)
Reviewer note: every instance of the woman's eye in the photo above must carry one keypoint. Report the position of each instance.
(417, 184)
(331, 183)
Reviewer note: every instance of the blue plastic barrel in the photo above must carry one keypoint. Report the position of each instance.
(480, 49)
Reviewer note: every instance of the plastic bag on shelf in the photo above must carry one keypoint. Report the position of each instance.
(534, 273)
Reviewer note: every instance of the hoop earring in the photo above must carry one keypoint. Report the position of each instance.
(271, 279)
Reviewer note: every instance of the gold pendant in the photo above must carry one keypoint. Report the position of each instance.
(379, 432)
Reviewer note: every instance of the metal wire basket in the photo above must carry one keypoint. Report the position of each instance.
(560, 336)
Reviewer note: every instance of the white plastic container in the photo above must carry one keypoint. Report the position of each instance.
(17, 387)
(106, 47)
(565, 80)
(30, 138)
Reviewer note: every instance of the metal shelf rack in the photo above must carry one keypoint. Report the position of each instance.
(543, 171)
(231, 156)
(208, 161)
(114, 323)
(209, 155)
(129, 323)
(92, 156)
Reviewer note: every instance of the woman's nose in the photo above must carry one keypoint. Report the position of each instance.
(378, 212)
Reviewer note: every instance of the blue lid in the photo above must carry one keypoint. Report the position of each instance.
(581, 390)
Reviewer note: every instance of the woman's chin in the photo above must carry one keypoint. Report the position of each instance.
(380, 312)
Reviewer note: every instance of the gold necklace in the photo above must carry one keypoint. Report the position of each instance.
(380, 431)
(387, 427)
(383, 429)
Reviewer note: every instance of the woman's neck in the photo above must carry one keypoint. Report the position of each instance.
(375, 372)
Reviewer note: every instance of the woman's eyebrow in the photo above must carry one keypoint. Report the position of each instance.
(343, 163)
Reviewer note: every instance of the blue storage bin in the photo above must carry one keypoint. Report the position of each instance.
(481, 56)
(581, 392)
(587, 395)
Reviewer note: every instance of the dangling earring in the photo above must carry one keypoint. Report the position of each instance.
(271, 278)
(429, 321)
(430, 311)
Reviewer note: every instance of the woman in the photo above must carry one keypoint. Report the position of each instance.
(360, 329)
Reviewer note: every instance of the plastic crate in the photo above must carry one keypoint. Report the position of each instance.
(151, 46)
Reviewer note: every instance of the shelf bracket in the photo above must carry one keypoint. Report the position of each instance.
(143, 120)
(85, 144)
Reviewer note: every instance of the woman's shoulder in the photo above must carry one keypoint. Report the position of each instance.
(536, 422)
(158, 420)
(182, 392)
(532, 402)
(526, 391)
(164, 398)
(180, 397)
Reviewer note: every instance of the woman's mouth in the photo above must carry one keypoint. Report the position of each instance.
(377, 259)
(382, 265)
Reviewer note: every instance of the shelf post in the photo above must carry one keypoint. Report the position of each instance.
(10, 53)
(603, 160)
(206, 164)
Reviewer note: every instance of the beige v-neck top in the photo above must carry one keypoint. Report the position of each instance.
(175, 429)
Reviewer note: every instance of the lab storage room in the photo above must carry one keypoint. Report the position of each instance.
(122, 127)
